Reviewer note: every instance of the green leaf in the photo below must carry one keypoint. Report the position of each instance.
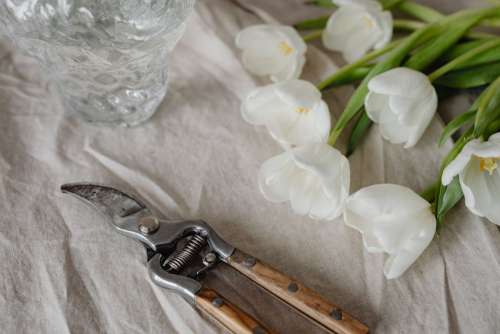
(466, 57)
(358, 132)
(456, 124)
(316, 23)
(488, 109)
(450, 196)
(461, 48)
(446, 196)
(429, 194)
(490, 56)
(471, 77)
(432, 51)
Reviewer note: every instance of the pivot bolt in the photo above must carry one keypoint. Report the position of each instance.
(209, 259)
(148, 225)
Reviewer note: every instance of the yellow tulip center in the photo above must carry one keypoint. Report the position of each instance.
(285, 48)
(488, 164)
(302, 110)
(368, 21)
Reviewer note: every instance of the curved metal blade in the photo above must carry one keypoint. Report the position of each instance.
(111, 202)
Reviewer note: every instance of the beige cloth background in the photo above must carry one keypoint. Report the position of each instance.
(63, 269)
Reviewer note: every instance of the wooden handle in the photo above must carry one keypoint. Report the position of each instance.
(297, 295)
(227, 314)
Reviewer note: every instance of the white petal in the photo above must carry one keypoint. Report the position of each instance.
(300, 116)
(360, 42)
(301, 192)
(460, 162)
(340, 25)
(384, 200)
(352, 31)
(257, 107)
(292, 70)
(492, 212)
(377, 108)
(392, 219)
(425, 111)
(331, 170)
(251, 37)
(260, 63)
(261, 48)
(363, 225)
(295, 40)
(394, 132)
(481, 191)
(298, 93)
(400, 81)
(321, 207)
(410, 96)
(385, 22)
(302, 128)
(314, 178)
(412, 248)
(356, 27)
(293, 112)
(274, 177)
(404, 107)
(327, 163)
(488, 149)
(495, 138)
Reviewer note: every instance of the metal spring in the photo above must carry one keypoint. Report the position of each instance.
(183, 256)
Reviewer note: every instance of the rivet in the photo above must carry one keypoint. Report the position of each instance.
(249, 262)
(148, 225)
(259, 330)
(293, 287)
(336, 313)
(217, 302)
(209, 259)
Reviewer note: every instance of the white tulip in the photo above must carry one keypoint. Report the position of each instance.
(392, 219)
(292, 111)
(477, 168)
(315, 179)
(356, 27)
(274, 50)
(402, 102)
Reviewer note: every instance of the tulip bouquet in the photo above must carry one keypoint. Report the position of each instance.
(398, 66)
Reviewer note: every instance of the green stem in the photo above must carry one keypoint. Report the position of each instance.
(313, 35)
(484, 102)
(428, 14)
(429, 194)
(420, 12)
(309, 24)
(345, 70)
(462, 59)
(407, 24)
